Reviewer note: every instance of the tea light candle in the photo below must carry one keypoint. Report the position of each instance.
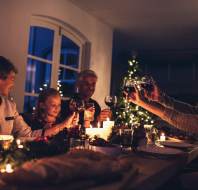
(19, 145)
(8, 168)
(94, 132)
(162, 137)
(120, 132)
(18, 141)
(108, 124)
(98, 124)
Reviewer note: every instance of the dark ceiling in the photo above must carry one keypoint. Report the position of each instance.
(148, 24)
(164, 33)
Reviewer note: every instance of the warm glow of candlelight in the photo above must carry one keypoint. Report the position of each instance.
(120, 132)
(162, 137)
(108, 119)
(98, 124)
(18, 141)
(20, 146)
(8, 168)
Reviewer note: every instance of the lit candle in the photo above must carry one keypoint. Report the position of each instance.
(108, 124)
(98, 124)
(162, 137)
(18, 141)
(20, 146)
(8, 168)
(120, 132)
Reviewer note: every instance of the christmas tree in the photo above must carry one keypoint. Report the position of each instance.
(128, 114)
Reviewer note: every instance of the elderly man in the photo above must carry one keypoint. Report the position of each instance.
(10, 120)
(85, 87)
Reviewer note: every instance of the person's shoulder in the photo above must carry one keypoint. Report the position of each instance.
(8, 101)
(95, 102)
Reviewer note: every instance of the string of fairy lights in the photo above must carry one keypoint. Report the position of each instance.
(127, 113)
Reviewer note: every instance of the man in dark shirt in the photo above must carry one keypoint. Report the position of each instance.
(85, 87)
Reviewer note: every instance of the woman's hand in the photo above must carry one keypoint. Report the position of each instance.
(70, 120)
(75, 119)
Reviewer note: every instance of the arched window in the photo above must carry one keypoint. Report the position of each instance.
(56, 54)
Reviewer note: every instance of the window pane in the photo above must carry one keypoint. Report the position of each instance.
(30, 103)
(69, 53)
(41, 42)
(38, 76)
(67, 80)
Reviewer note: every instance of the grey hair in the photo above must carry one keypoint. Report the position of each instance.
(86, 73)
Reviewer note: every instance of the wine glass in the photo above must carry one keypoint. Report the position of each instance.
(147, 83)
(77, 105)
(129, 86)
(89, 111)
(111, 101)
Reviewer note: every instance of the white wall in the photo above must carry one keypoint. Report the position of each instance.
(15, 18)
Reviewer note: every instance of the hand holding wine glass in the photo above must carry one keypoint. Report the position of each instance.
(89, 111)
(76, 105)
(129, 86)
(151, 90)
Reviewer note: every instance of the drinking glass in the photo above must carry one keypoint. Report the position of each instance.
(147, 83)
(129, 86)
(111, 101)
(89, 111)
(77, 105)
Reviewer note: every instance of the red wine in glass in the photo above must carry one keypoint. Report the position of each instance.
(110, 101)
(129, 89)
(147, 86)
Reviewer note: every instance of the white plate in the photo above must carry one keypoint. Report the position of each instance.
(153, 149)
(176, 144)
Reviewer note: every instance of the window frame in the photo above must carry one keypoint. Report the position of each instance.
(60, 28)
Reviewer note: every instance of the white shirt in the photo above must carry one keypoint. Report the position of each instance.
(11, 123)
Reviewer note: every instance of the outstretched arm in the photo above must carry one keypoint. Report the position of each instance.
(183, 121)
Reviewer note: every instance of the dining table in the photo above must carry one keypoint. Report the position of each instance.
(151, 170)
